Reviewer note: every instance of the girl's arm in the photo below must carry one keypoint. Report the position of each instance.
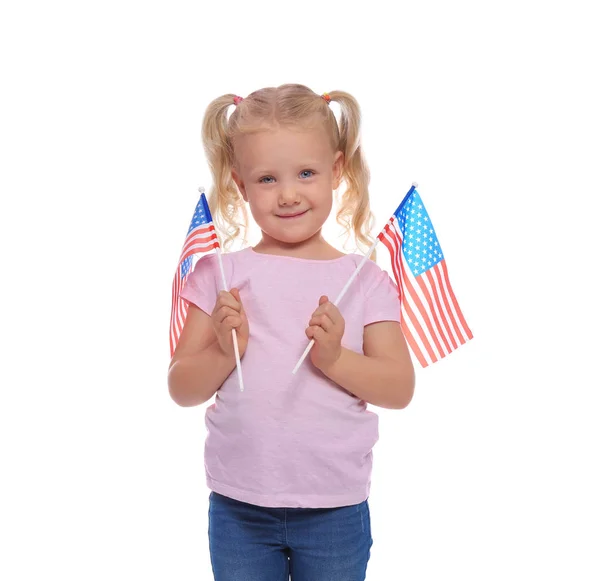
(384, 376)
(199, 366)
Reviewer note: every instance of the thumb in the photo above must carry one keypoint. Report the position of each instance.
(236, 294)
(323, 300)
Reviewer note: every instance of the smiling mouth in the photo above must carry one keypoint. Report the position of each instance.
(289, 216)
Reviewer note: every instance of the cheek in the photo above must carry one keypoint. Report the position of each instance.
(326, 202)
(258, 204)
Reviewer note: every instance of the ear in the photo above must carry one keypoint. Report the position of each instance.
(338, 166)
(239, 183)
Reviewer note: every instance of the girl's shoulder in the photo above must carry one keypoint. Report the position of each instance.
(369, 268)
(373, 277)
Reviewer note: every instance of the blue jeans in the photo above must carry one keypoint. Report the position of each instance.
(255, 543)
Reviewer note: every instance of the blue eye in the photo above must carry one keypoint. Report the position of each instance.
(308, 170)
(260, 181)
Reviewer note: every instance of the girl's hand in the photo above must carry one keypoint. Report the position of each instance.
(326, 327)
(229, 314)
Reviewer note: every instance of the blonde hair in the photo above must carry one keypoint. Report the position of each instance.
(295, 106)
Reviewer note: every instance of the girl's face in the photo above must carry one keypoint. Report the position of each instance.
(287, 177)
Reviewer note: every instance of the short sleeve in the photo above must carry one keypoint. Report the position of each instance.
(202, 285)
(382, 298)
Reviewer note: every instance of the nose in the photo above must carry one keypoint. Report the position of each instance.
(288, 196)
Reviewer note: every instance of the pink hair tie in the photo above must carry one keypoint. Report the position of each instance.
(237, 100)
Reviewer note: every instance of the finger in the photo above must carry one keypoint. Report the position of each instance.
(326, 306)
(317, 333)
(322, 301)
(226, 299)
(232, 321)
(323, 321)
(236, 295)
(225, 312)
(312, 330)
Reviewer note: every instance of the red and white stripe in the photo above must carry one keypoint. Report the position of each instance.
(201, 239)
(431, 319)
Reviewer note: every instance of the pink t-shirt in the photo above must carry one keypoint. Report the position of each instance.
(288, 440)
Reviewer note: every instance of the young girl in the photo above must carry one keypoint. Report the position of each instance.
(288, 460)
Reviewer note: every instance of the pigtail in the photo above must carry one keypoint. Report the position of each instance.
(224, 199)
(354, 213)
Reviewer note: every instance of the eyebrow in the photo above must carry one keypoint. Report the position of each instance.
(303, 164)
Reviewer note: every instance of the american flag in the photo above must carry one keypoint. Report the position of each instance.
(201, 237)
(431, 319)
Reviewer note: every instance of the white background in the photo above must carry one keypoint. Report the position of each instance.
(492, 471)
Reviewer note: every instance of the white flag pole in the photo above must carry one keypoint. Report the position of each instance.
(336, 302)
(236, 348)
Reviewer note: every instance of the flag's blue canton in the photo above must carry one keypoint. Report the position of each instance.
(419, 241)
(201, 215)
(186, 266)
